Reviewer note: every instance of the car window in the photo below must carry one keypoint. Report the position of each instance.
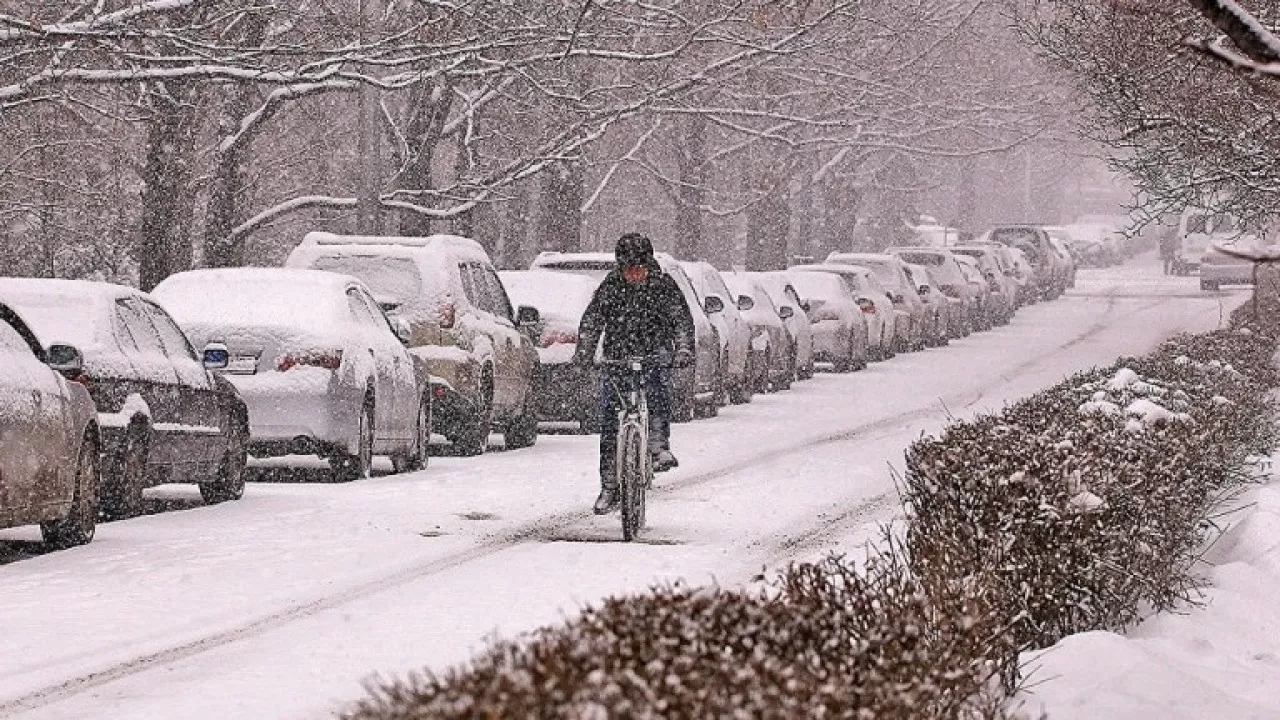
(393, 280)
(359, 309)
(11, 341)
(474, 287)
(375, 311)
(500, 303)
(1223, 223)
(175, 343)
(145, 337)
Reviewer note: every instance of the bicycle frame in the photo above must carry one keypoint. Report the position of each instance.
(633, 463)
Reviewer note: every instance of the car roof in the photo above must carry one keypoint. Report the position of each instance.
(298, 276)
(80, 290)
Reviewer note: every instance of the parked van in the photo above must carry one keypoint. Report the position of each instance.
(477, 350)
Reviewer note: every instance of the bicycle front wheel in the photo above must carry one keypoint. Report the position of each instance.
(631, 479)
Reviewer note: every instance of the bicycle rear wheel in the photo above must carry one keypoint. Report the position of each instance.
(631, 480)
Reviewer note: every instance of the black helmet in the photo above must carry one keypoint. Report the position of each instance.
(634, 250)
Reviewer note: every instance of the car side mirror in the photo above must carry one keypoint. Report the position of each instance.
(713, 305)
(745, 302)
(400, 326)
(786, 312)
(898, 298)
(66, 359)
(527, 316)
(215, 356)
(806, 307)
(925, 289)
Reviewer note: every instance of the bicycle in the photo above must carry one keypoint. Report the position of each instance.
(634, 464)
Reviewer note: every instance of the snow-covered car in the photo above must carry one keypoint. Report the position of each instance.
(462, 327)
(48, 438)
(771, 358)
(912, 322)
(735, 334)
(840, 334)
(981, 289)
(947, 274)
(1219, 266)
(1034, 243)
(562, 390)
(164, 416)
(874, 301)
(699, 388)
(318, 364)
(943, 310)
(1000, 282)
(787, 302)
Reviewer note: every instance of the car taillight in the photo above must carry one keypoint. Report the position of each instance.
(951, 291)
(868, 307)
(327, 359)
(82, 379)
(558, 337)
(448, 315)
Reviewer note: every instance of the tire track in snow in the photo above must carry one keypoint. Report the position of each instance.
(542, 528)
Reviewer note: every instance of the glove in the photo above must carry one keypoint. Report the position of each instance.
(682, 359)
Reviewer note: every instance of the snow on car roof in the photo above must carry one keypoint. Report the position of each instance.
(64, 311)
(256, 297)
(429, 242)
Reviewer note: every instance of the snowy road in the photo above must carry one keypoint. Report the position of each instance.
(279, 605)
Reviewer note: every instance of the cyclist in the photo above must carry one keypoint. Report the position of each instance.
(640, 312)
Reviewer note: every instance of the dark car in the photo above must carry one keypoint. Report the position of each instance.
(48, 439)
(164, 417)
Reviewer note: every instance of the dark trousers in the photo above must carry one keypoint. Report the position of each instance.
(658, 392)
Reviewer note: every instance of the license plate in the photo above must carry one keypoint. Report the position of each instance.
(242, 364)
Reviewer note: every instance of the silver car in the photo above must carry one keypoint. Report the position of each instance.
(784, 297)
(735, 333)
(890, 270)
(315, 360)
(943, 310)
(772, 351)
(840, 334)
(873, 300)
(48, 438)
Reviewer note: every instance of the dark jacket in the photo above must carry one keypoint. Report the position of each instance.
(636, 320)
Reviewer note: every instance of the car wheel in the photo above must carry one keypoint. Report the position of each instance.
(740, 392)
(228, 484)
(355, 467)
(124, 474)
(417, 457)
(523, 431)
(762, 379)
(78, 527)
(473, 440)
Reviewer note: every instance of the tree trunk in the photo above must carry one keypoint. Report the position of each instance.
(768, 221)
(168, 201)
(691, 154)
(225, 208)
(429, 105)
(560, 222)
(516, 252)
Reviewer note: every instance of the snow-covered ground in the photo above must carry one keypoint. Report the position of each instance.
(279, 605)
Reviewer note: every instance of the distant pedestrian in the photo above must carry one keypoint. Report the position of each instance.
(1169, 250)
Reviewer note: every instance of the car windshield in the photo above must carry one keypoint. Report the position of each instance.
(885, 271)
(250, 302)
(597, 269)
(394, 281)
(818, 285)
(553, 294)
(1015, 236)
(57, 318)
(946, 272)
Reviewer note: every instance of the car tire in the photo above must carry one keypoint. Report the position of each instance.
(416, 459)
(360, 465)
(124, 474)
(522, 432)
(228, 483)
(762, 380)
(740, 393)
(78, 527)
(682, 406)
(473, 440)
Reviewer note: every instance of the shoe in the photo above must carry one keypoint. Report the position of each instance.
(664, 461)
(607, 502)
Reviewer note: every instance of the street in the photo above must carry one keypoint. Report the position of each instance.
(279, 605)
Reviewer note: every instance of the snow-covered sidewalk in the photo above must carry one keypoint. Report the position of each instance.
(1219, 660)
